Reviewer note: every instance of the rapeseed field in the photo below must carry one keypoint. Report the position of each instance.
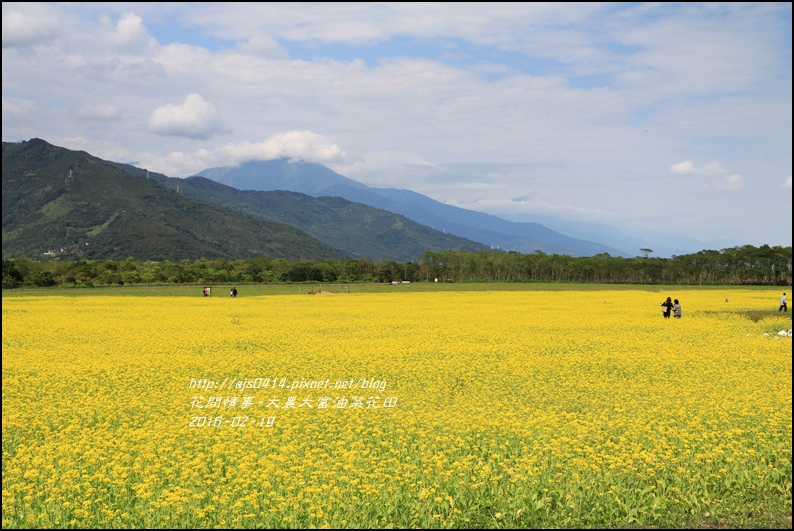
(432, 410)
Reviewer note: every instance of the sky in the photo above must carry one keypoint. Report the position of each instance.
(652, 118)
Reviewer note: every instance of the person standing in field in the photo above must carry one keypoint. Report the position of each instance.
(666, 307)
(783, 306)
(676, 309)
(234, 292)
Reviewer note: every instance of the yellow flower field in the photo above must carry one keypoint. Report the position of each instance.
(448, 409)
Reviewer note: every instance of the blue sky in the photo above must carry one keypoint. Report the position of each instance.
(663, 119)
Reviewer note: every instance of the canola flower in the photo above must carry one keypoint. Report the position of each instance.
(482, 409)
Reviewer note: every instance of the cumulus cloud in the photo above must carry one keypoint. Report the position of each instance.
(129, 33)
(195, 118)
(731, 182)
(31, 28)
(725, 182)
(786, 183)
(295, 145)
(687, 167)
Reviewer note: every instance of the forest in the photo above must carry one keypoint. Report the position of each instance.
(745, 265)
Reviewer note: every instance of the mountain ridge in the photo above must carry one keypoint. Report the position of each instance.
(64, 204)
(318, 180)
(72, 205)
(357, 229)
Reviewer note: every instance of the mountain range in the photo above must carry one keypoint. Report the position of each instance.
(356, 229)
(318, 180)
(72, 205)
(69, 204)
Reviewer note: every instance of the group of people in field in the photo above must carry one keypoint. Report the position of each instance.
(208, 292)
(674, 307)
(671, 306)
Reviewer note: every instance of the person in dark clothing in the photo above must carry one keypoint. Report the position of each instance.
(667, 306)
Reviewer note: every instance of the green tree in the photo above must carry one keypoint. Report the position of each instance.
(12, 278)
(42, 279)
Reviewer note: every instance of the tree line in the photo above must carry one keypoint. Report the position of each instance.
(765, 265)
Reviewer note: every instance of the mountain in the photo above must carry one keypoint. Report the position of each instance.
(58, 202)
(319, 181)
(356, 229)
(281, 174)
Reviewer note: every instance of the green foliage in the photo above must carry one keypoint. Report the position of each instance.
(738, 265)
(12, 277)
(42, 279)
(446, 266)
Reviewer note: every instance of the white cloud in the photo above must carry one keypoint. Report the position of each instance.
(522, 205)
(128, 34)
(194, 118)
(731, 182)
(786, 183)
(503, 24)
(296, 145)
(36, 26)
(688, 168)
(264, 45)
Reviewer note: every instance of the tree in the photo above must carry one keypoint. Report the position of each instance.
(645, 252)
(43, 279)
(12, 278)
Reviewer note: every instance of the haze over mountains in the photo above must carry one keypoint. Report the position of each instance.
(317, 180)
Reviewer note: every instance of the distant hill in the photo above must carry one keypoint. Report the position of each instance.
(356, 229)
(281, 174)
(69, 204)
(318, 181)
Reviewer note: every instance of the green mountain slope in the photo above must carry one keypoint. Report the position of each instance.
(69, 204)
